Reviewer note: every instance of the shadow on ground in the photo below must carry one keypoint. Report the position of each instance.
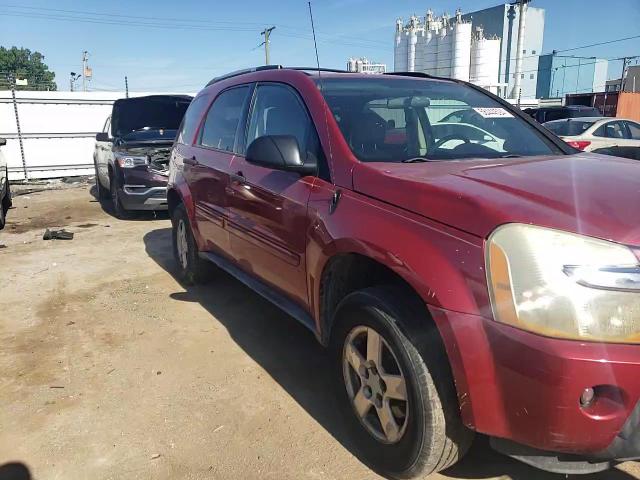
(292, 357)
(14, 471)
(139, 215)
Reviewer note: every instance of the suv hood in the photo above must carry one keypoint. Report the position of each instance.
(153, 112)
(591, 194)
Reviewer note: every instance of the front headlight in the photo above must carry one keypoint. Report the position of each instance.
(563, 285)
(130, 161)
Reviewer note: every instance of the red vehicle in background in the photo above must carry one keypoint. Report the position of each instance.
(466, 279)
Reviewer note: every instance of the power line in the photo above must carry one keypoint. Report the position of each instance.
(128, 20)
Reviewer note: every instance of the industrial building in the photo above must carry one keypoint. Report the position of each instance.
(447, 47)
(492, 47)
(503, 21)
(363, 65)
(559, 75)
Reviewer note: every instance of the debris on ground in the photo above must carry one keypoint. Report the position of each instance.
(154, 456)
(57, 235)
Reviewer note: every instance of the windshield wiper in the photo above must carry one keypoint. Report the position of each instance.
(510, 155)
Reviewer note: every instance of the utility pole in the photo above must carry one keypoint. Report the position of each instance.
(12, 81)
(85, 57)
(624, 69)
(267, 32)
(126, 86)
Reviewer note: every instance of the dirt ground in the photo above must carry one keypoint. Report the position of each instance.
(110, 369)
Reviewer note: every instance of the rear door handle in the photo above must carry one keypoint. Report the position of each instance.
(191, 161)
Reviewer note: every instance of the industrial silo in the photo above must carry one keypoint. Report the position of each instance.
(485, 60)
(412, 41)
(400, 50)
(430, 50)
(444, 49)
(461, 48)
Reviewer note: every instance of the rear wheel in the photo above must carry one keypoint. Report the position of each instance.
(396, 390)
(191, 268)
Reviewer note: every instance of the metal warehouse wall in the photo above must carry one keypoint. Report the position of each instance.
(58, 131)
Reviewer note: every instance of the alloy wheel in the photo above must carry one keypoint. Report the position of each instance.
(375, 384)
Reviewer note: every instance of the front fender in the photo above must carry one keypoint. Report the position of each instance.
(443, 265)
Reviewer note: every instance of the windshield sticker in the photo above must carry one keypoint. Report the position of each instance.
(493, 112)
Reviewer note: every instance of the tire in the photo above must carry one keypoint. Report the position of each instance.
(192, 269)
(101, 192)
(3, 214)
(116, 204)
(5, 204)
(426, 434)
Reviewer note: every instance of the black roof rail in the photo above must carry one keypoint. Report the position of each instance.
(423, 75)
(316, 69)
(243, 71)
(272, 67)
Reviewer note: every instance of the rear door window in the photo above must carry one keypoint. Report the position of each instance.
(569, 127)
(191, 119)
(221, 125)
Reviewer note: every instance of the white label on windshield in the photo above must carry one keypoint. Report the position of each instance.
(498, 112)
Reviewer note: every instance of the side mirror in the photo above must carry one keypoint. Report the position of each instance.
(279, 152)
(102, 137)
(3, 141)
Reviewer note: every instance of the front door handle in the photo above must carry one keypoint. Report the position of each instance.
(238, 177)
(191, 161)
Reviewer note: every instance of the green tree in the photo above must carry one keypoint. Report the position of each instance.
(25, 64)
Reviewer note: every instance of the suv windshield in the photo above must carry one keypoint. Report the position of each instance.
(569, 127)
(391, 119)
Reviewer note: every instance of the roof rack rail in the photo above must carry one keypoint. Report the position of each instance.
(316, 69)
(243, 71)
(272, 67)
(420, 75)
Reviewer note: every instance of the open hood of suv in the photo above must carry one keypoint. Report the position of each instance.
(586, 193)
(154, 112)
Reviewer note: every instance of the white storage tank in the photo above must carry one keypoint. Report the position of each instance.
(412, 42)
(444, 49)
(400, 50)
(461, 48)
(485, 60)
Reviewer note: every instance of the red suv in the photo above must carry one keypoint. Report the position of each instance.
(467, 277)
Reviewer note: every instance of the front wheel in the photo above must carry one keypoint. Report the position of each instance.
(5, 203)
(191, 268)
(118, 209)
(396, 393)
(101, 192)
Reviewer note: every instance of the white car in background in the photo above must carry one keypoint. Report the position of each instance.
(5, 193)
(612, 136)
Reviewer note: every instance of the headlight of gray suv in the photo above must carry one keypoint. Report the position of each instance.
(130, 161)
(563, 285)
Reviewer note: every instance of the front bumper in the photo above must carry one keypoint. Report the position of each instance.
(141, 197)
(526, 388)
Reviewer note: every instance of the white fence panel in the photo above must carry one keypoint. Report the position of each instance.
(58, 131)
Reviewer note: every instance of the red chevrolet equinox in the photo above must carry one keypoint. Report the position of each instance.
(468, 271)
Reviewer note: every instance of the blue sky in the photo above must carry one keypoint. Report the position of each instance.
(220, 36)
